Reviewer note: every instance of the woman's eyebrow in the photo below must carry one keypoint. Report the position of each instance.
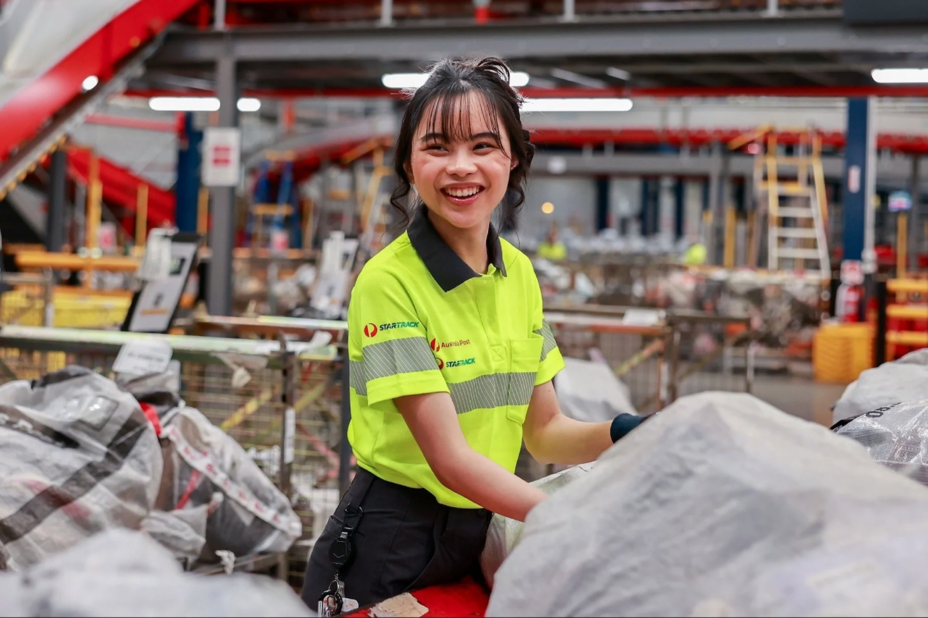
(432, 137)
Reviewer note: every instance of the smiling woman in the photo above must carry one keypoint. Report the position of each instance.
(451, 360)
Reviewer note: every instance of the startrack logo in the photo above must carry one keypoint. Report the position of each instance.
(371, 330)
(461, 363)
(437, 345)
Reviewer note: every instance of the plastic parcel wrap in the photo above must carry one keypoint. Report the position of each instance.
(903, 380)
(182, 532)
(201, 459)
(124, 573)
(77, 456)
(504, 533)
(590, 391)
(724, 506)
(895, 435)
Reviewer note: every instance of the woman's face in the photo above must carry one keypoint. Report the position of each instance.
(464, 176)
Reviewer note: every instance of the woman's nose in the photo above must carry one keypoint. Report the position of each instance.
(461, 163)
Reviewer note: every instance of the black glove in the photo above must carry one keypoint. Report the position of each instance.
(624, 423)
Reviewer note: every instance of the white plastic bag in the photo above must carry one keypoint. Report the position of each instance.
(590, 391)
(900, 381)
(77, 456)
(504, 533)
(724, 506)
(125, 573)
(201, 460)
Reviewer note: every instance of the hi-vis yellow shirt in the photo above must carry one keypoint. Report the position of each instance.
(421, 321)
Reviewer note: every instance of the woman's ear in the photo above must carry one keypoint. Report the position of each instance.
(409, 175)
(513, 164)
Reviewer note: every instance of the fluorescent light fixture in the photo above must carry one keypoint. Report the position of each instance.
(184, 104)
(90, 82)
(577, 105)
(618, 74)
(900, 76)
(583, 80)
(248, 104)
(199, 104)
(517, 79)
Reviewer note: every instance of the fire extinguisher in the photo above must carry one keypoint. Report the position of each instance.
(847, 303)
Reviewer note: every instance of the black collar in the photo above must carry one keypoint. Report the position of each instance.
(448, 270)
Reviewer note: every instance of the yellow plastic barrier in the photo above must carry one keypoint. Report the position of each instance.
(841, 352)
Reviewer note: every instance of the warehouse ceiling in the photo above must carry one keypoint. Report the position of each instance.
(684, 52)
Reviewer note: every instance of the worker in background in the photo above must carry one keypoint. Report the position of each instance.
(552, 248)
(695, 255)
(451, 361)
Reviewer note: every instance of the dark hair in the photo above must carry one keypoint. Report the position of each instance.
(449, 82)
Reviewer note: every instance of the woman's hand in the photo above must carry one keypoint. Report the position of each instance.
(434, 424)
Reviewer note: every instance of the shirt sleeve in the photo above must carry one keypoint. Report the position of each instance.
(551, 360)
(387, 344)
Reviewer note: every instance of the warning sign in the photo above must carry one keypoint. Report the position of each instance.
(222, 152)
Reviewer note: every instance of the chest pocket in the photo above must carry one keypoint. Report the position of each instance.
(525, 355)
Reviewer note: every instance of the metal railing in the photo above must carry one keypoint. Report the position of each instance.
(282, 401)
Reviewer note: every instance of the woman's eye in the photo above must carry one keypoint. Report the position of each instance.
(483, 146)
(434, 147)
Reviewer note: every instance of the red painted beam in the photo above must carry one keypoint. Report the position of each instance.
(33, 105)
(120, 186)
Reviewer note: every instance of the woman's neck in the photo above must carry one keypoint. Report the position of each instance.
(469, 244)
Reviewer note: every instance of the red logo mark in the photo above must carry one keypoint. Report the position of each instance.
(222, 155)
(435, 345)
(370, 330)
(441, 363)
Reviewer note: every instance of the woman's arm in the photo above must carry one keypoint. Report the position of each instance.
(434, 425)
(552, 437)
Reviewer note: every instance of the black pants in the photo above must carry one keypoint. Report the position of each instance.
(405, 541)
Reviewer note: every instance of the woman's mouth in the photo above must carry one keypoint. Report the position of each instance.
(462, 196)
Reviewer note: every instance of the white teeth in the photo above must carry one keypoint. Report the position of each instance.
(462, 192)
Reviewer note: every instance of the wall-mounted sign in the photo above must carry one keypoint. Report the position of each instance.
(222, 155)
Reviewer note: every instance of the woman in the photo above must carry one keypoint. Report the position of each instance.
(451, 361)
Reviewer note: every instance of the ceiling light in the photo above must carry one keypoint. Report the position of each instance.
(900, 76)
(517, 79)
(184, 104)
(199, 104)
(583, 80)
(547, 208)
(577, 105)
(248, 104)
(90, 82)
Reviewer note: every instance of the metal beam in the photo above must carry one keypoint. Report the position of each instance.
(897, 171)
(821, 32)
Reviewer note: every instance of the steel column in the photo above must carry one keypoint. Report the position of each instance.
(187, 188)
(57, 201)
(386, 12)
(859, 186)
(222, 232)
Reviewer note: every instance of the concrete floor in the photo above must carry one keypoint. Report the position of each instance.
(801, 397)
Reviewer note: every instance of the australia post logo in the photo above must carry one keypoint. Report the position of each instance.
(438, 346)
(371, 330)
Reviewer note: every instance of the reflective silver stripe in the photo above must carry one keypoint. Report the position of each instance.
(390, 358)
(549, 344)
(492, 391)
(356, 378)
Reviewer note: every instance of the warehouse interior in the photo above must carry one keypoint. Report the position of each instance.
(727, 217)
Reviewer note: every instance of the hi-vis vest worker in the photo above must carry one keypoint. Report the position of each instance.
(451, 361)
(480, 338)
